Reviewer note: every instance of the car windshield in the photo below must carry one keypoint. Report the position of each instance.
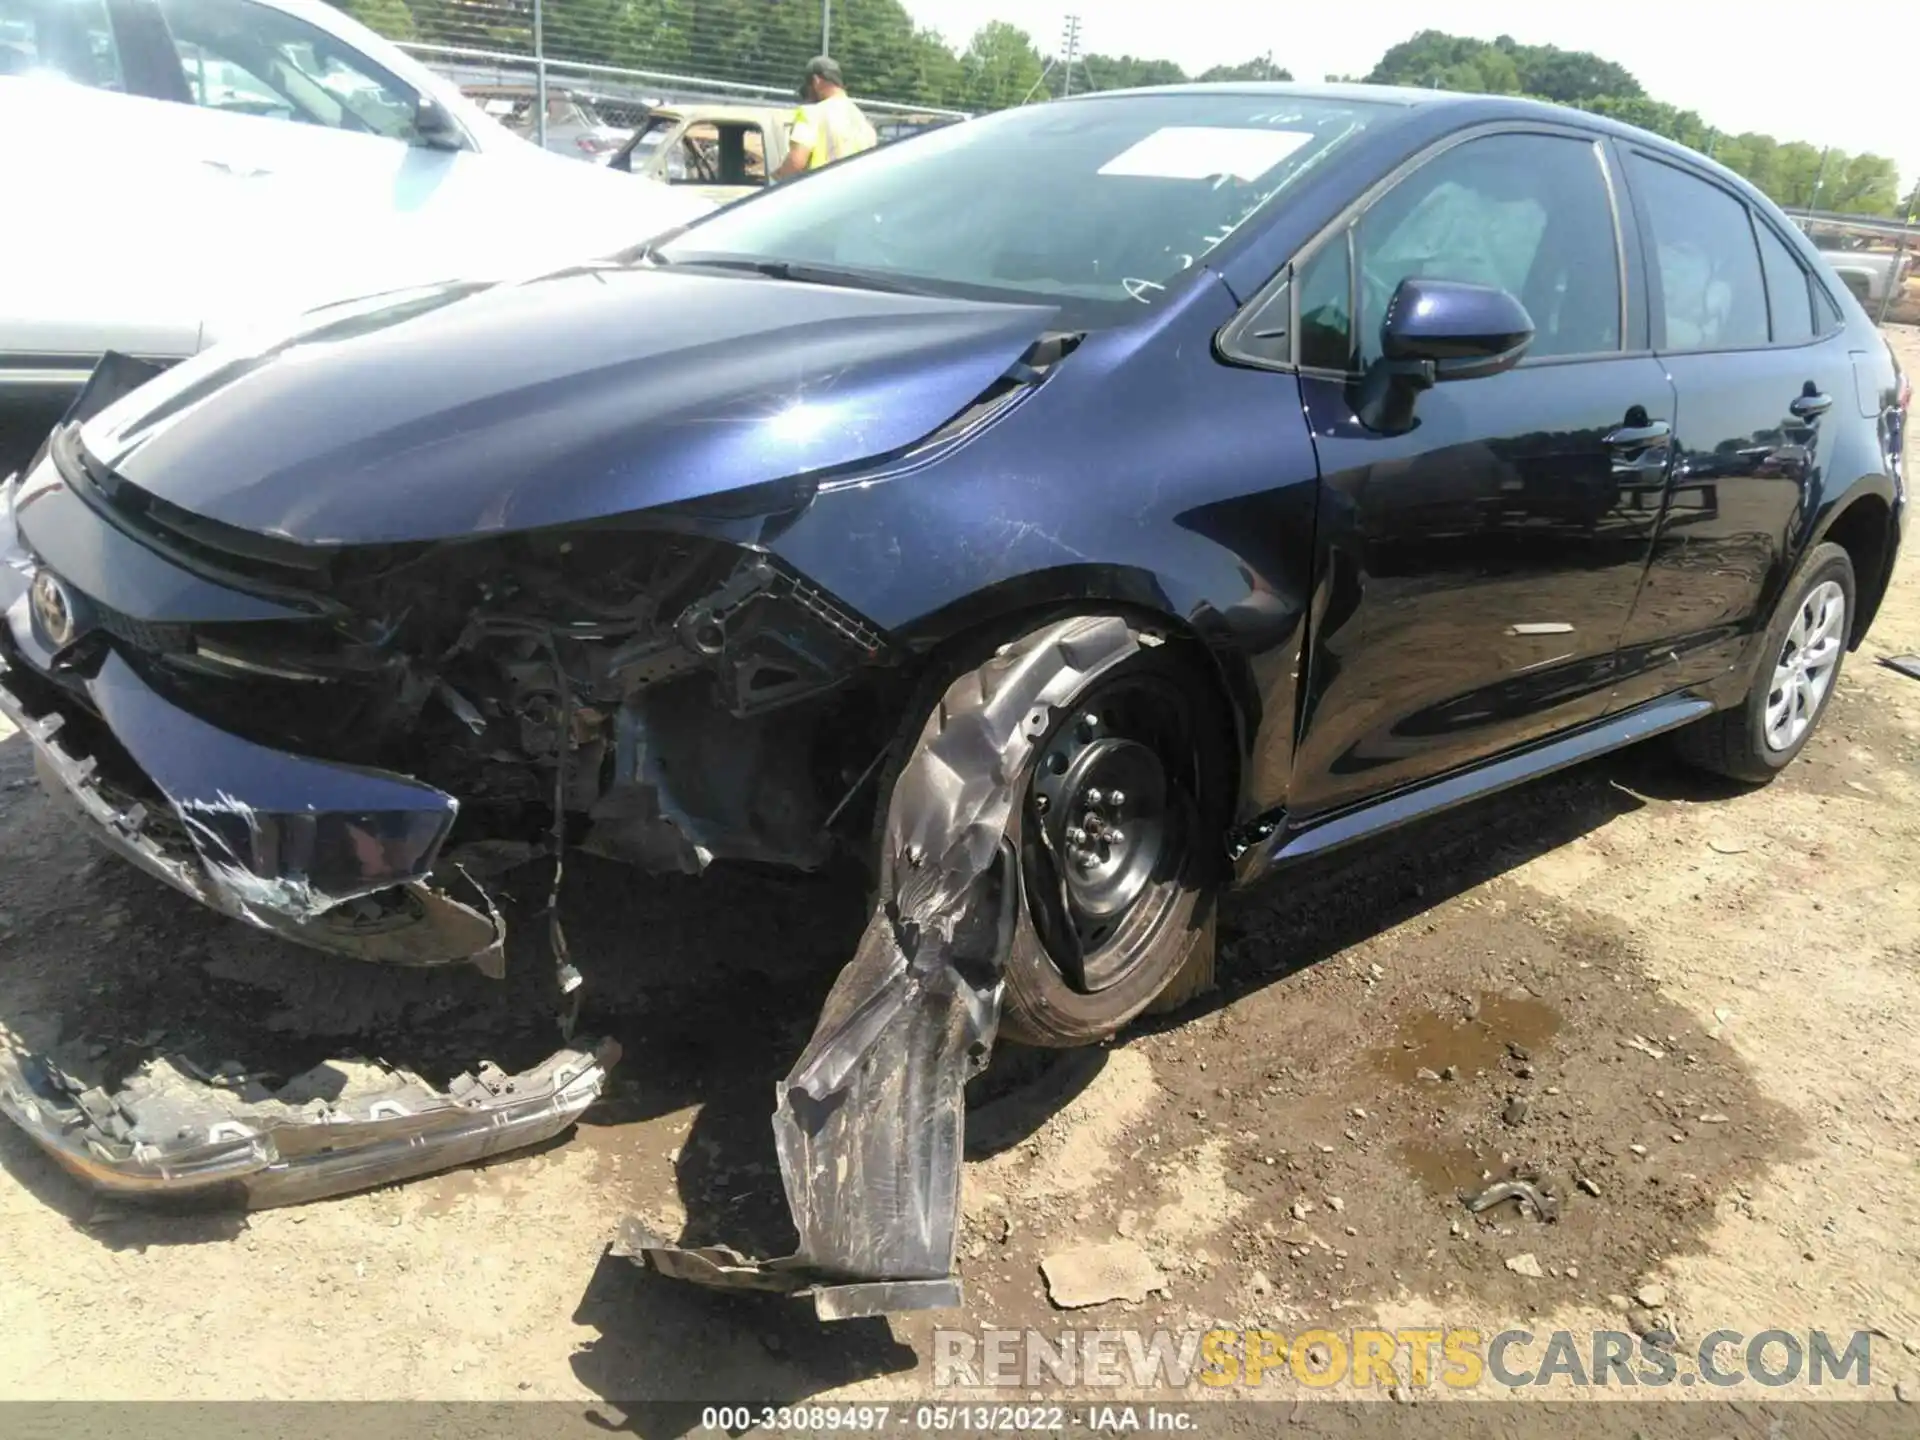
(1098, 204)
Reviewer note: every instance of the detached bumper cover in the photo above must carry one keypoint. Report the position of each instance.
(342, 1126)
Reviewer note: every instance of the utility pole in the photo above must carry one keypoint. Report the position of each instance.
(539, 78)
(826, 26)
(1819, 177)
(1069, 46)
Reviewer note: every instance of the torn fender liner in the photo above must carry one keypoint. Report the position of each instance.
(869, 1124)
(341, 1126)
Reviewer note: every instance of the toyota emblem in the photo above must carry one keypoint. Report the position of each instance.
(53, 610)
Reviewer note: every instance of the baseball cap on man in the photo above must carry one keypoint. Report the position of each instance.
(826, 67)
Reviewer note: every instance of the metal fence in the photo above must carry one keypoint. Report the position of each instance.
(621, 55)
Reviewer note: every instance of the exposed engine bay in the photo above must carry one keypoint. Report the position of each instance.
(545, 681)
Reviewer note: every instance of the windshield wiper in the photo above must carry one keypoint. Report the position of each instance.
(800, 272)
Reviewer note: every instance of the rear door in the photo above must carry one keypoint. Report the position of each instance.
(1762, 372)
(1477, 569)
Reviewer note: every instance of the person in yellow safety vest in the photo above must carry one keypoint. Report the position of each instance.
(828, 126)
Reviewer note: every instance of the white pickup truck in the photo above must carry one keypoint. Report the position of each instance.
(1872, 275)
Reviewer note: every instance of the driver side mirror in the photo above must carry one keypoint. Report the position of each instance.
(1438, 330)
(435, 126)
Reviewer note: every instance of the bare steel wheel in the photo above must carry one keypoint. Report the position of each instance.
(1112, 821)
(1122, 809)
(1800, 657)
(1115, 872)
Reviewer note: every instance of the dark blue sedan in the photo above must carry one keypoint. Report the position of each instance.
(1065, 512)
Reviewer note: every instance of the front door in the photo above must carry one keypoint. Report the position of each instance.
(1476, 569)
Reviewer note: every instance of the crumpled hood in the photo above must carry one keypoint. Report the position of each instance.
(456, 410)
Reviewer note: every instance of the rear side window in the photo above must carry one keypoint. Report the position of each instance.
(1707, 265)
(70, 39)
(1527, 213)
(1789, 297)
(1826, 314)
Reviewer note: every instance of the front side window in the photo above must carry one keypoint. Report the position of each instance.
(1789, 297)
(1102, 204)
(1529, 214)
(67, 39)
(1712, 296)
(251, 60)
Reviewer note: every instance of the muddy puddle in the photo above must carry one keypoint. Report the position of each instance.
(1436, 1048)
(1439, 1053)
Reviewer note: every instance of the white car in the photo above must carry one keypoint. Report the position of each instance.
(176, 171)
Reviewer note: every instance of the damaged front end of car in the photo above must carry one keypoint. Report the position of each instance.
(352, 772)
(343, 744)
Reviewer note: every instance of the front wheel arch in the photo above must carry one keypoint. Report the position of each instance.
(1030, 1017)
(958, 639)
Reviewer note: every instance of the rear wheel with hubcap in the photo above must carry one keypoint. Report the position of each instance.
(1800, 662)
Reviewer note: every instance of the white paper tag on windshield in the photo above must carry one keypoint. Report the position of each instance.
(1199, 152)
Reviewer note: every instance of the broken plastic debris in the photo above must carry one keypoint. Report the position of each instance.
(341, 1126)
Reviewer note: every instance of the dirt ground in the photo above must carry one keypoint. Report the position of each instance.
(1697, 999)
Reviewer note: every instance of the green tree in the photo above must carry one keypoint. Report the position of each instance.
(1261, 67)
(1000, 67)
(1863, 185)
(390, 18)
(1435, 60)
(1115, 72)
(1567, 77)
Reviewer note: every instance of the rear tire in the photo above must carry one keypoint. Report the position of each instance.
(1796, 675)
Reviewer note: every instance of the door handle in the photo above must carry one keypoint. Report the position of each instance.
(1811, 404)
(1639, 437)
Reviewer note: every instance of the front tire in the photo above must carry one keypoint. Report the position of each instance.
(1798, 671)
